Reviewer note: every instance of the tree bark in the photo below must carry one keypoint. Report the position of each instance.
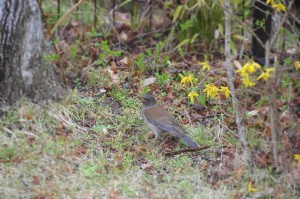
(262, 22)
(22, 71)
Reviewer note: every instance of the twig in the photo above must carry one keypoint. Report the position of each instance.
(186, 151)
(62, 74)
(65, 15)
(266, 193)
(247, 26)
(10, 132)
(229, 70)
(274, 125)
(274, 38)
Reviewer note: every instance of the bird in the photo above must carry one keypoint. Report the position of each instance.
(159, 120)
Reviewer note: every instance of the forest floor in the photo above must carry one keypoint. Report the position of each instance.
(99, 147)
(95, 144)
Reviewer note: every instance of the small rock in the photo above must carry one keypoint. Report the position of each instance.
(149, 81)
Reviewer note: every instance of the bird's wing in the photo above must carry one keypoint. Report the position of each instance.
(160, 118)
(176, 130)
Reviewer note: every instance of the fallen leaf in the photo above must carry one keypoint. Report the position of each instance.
(124, 37)
(125, 61)
(35, 180)
(102, 90)
(237, 64)
(252, 113)
(80, 150)
(113, 64)
(30, 140)
(113, 194)
(115, 79)
(146, 167)
(119, 157)
(27, 116)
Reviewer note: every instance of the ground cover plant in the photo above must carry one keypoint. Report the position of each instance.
(94, 143)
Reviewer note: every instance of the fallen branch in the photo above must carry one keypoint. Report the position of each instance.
(186, 151)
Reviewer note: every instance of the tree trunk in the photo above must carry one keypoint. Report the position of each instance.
(262, 21)
(22, 71)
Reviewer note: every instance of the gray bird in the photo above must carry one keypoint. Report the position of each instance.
(159, 120)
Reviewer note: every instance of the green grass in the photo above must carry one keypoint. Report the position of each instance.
(98, 146)
(86, 147)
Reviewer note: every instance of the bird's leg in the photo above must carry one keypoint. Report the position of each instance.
(155, 137)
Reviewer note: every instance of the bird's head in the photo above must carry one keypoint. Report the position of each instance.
(148, 100)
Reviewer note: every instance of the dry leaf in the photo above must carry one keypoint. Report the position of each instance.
(146, 167)
(119, 157)
(35, 180)
(102, 90)
(237, 64)
(252, 113)
(124, 37)
(113, 194)
(125, 61)
(28, 116)
(115, 79)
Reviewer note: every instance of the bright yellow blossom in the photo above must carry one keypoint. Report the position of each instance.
(188, 79)
(271, 2)
(225, 90)
(297, 65)
(265, 75)
(247, 82)
(251, 66)
(211, 90)
(242, 72)
(248, 67)
(250, 188)
(297, 158)
(192, 95)
(279, 7)
(205, 65)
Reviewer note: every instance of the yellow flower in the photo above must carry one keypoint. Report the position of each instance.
(211, 90)
(250, 188)
(247, 82)
(251, 66)
(248, 68)
(205, 65)
(279, 7)
(225, 90)
(192, 95)
(297, 65)
(242, 72)
(270, 70)
(188, 79)
(297, 158)
(265, 75)
(270, 2)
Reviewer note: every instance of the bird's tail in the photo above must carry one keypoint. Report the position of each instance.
(189, 142)
(179, 132)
